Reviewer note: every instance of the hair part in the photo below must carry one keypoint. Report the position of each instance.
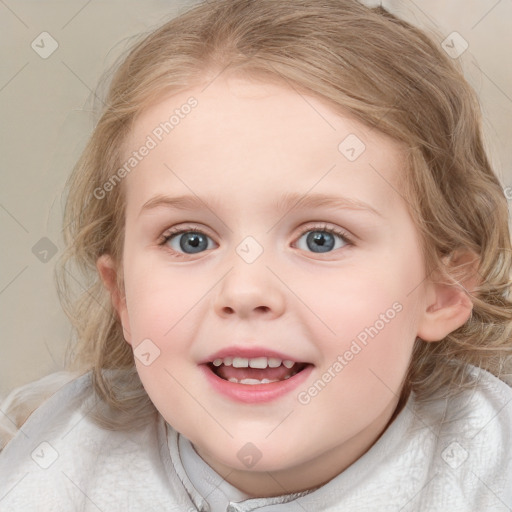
(362, 61)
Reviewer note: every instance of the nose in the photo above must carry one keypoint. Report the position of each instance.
(250, 290)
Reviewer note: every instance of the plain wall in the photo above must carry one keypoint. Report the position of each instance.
(46, 120)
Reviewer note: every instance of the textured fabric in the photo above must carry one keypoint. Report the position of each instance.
(200, 478)
(450, 455)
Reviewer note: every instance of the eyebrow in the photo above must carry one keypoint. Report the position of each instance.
(286, 203)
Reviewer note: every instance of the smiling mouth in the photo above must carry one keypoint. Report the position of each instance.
(254, 376)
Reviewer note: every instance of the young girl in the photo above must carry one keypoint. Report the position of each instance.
(301, 273)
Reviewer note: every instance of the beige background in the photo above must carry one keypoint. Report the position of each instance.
(45, 110)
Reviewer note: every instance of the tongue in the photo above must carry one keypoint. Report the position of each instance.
(278, 373)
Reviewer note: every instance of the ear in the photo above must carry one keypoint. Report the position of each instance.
(108, 271)
(449, 304)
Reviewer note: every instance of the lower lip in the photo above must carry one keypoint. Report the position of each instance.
(249, 393)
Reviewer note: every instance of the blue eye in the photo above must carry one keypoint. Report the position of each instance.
(189, 241)
(323, 239)
(319, 239)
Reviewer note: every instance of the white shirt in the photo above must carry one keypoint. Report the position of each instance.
(452, 455)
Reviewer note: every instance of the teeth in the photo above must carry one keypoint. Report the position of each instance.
(240, 362)
(256, 381)
(258, 362)
(255, 362)
(274, 362)
(252, 381)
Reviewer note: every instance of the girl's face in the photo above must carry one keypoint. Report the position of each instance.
(262, 225)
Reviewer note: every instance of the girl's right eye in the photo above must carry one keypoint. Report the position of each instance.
(188, 241)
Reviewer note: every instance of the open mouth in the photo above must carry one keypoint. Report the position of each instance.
(255, 371)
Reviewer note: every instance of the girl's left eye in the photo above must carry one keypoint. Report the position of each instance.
(319, 239)
(323, 239)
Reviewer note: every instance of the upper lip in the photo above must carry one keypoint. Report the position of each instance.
(249, 353)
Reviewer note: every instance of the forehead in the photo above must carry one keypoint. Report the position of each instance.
(244, 139)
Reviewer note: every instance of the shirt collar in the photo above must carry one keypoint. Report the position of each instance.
(207, 489)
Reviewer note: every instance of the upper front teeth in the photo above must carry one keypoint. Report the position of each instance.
(255, 362)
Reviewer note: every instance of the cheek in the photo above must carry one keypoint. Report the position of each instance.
(349, 300)
(369, 318)
(160, 308)
(364, 367)
(158, 299)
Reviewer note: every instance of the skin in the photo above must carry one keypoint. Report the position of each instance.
(248, 143)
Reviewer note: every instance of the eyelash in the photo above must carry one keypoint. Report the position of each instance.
(347, 240)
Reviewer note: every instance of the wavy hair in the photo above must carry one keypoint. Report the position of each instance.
(364, 61)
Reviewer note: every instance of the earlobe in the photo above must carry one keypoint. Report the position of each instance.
(107, 271)
(449, 306)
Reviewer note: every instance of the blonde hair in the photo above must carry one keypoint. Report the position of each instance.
(362, 61)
